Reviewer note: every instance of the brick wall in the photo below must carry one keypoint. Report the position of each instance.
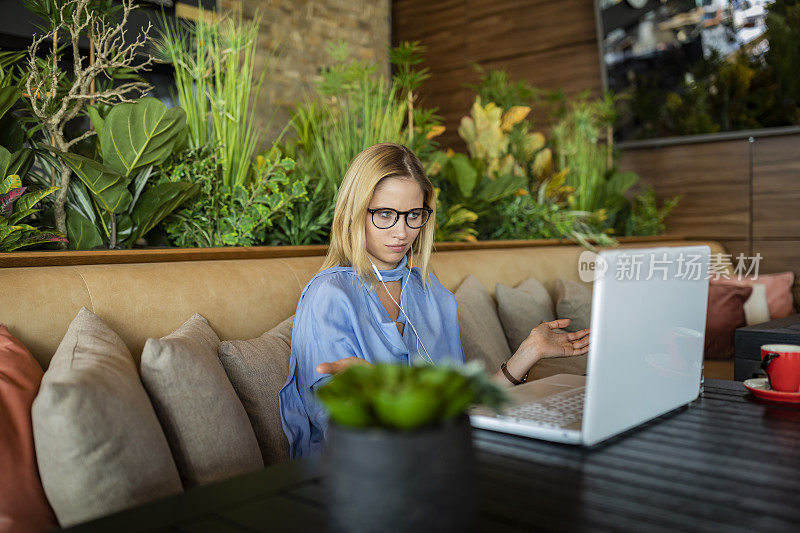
(295, 32)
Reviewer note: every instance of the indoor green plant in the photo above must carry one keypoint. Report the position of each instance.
(585, 154)
(240, 193)
(229, 215)
(115, 202)
(16, 205)
(402, 430)
(505, 157)
(214, 59)
(55, 98)
(354, 108)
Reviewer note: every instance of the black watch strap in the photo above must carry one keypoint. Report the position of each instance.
(509, 377)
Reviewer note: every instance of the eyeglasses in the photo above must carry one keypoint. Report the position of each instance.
(385, 217)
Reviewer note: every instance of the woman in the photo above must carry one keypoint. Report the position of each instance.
(366, 306)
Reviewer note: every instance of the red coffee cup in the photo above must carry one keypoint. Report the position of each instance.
(781, 362)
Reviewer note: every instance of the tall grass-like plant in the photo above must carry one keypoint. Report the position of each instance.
(360, 109)
(582, 150)
(214, 62)
(183, 44)
(583, 141)
(370, 116)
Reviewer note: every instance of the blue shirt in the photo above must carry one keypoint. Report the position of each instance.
(336, 318)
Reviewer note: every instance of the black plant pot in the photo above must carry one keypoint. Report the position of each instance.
(380, 480)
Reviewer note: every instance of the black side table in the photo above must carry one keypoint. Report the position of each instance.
(748, 341)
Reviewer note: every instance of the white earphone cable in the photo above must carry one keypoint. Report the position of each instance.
(419, 340)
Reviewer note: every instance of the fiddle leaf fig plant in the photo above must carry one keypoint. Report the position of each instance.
(400, 397)
(122, 206)
(55, 99)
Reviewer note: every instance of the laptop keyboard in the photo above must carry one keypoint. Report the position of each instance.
(555, 411)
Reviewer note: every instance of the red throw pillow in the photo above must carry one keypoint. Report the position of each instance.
(779, 291)
(725, 313)
(23, 505)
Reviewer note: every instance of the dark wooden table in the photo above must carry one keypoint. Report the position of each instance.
(728, 462)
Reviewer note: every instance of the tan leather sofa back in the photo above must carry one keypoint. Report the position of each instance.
(241, 298)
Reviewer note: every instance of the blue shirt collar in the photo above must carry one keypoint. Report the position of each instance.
(397, 272)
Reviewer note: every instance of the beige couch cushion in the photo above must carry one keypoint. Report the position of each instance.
(241, 297)
(522, 308)
(482, 335)
(98, 442)
(573, 301)
(257, 369)
(205, 423)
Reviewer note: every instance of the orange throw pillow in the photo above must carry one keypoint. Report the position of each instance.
(725, 314)
(779, 291)
(23, 505)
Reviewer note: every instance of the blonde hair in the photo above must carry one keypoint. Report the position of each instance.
(348, 245)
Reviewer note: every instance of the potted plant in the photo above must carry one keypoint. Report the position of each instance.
(399, 455)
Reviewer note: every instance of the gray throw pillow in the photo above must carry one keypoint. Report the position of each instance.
(257, 369)
(98, 442)
(573, 301)
(522, 308)
(482, 334)
(206, 425)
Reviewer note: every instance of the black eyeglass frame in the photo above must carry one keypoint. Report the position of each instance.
(398, 214)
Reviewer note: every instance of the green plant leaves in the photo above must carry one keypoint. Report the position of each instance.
(8, 183)
(5, 162)
(19, 163)
(405, 397)
(83, 234)
(109, 188)
(156, 203)
(619, 182)
(8, 97)
(505, 185)
(141, 133)
(97, 121)
(407, 408)
(464, 174)
(28, 200)
(12, 136)
(349, 412)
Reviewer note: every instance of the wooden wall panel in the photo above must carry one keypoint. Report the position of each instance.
(736, 247)
(713, 180)
(438, 25)
(503, 29)
(780, 256)
(559, 68)
(776, 187)
(550, 44)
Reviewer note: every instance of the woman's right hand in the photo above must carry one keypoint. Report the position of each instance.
(335, 367)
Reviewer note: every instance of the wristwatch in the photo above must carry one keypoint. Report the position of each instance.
(511, 378)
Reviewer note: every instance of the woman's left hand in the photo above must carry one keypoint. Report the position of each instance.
(543, 342)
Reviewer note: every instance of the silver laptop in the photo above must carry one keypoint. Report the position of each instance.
(645, 353)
